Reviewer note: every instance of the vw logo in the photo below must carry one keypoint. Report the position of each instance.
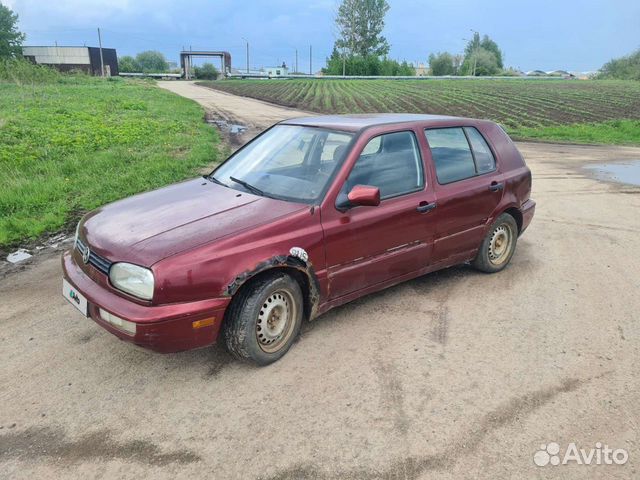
(86, 255)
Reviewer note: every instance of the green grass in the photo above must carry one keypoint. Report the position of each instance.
(72, 145)
(574, 110)
(615, 132)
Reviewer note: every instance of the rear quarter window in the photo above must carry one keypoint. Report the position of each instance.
(485, 162)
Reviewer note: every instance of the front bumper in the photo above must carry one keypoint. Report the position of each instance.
(527, 210)
(163, 328)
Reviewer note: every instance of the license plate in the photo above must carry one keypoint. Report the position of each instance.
(74, 297)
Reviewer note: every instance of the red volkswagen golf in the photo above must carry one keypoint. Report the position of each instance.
(311, 214)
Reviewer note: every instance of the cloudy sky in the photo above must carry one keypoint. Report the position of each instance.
(534, 34)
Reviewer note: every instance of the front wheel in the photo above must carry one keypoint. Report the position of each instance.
(264, 319)
(498, 245)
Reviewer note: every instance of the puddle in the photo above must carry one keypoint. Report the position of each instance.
(232, 128)
(624, 172)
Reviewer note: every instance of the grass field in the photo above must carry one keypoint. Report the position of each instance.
(580, 111)
(72, 145)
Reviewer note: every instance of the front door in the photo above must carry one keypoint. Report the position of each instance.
(368, 245)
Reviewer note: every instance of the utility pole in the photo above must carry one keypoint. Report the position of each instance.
(247, 54)
(297, 60)
(310, 60)
(344, 63)
(475, 50)
(101, 57)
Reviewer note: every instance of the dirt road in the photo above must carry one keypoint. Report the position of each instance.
(453, 375)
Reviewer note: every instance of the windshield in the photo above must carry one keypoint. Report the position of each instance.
(288, 162)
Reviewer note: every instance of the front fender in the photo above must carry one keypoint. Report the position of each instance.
(297, 259)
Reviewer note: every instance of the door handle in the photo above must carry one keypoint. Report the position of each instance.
(427, 207)
(496, 187)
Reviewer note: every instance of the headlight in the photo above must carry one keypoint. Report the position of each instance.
(138, 281)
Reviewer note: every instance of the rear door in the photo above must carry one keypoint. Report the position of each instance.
(369, 245)
(468, 188)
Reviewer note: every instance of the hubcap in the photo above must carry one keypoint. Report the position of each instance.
(274, 321)
(500, 244)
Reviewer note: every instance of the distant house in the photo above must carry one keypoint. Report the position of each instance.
(536, 73)
(422, 70)
(65, 59)
(281, 71)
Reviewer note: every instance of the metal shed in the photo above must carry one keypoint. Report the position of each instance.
(66, 59)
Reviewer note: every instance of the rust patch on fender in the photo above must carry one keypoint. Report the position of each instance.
(279, 261)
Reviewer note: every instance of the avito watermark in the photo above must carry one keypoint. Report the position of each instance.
(601, 454)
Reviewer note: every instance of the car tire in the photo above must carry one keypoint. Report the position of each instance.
(498, 245)
(264, 319)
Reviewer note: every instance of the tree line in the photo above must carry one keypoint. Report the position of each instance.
(360, 49)
(481, 57)
(151, 61)
(623, 68)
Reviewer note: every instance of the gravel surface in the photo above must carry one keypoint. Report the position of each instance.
(453, 375)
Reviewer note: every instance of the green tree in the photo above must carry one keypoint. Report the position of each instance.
(369, 65)
(492, 47)
(334, 63)
(360, 24)
(623, 68)
(475, 44)
(152, 62)
(206, 72)
(128, 64)
(10, 37)
(441, 64)
(482, 62)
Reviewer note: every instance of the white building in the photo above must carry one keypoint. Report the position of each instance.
(281, 71)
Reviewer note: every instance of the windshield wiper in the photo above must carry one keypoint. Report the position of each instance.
(213, 179)
(248, 186)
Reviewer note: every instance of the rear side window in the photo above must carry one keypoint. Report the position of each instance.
(481, 151)
(459, 153)
(451, 154)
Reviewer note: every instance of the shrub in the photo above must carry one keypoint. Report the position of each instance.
(20, 71)
(623, 68)
(441, 64)
(366, 65)
(206, 72)
(128, 64)
(151, 61)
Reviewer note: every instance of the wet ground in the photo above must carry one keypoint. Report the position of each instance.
(626, 172)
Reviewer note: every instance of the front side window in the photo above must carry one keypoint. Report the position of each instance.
(390, 162)
(459, 153)
(287, 162)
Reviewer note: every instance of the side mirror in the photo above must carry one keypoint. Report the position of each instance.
(364, 195)
(360, 195)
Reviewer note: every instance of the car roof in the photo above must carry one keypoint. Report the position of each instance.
(360, 121)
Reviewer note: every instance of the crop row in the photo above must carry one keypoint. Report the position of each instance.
(515, 103)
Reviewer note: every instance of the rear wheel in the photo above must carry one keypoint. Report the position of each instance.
(498, 245)
(264, 319)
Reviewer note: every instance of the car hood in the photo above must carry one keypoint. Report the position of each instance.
(146, 228)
